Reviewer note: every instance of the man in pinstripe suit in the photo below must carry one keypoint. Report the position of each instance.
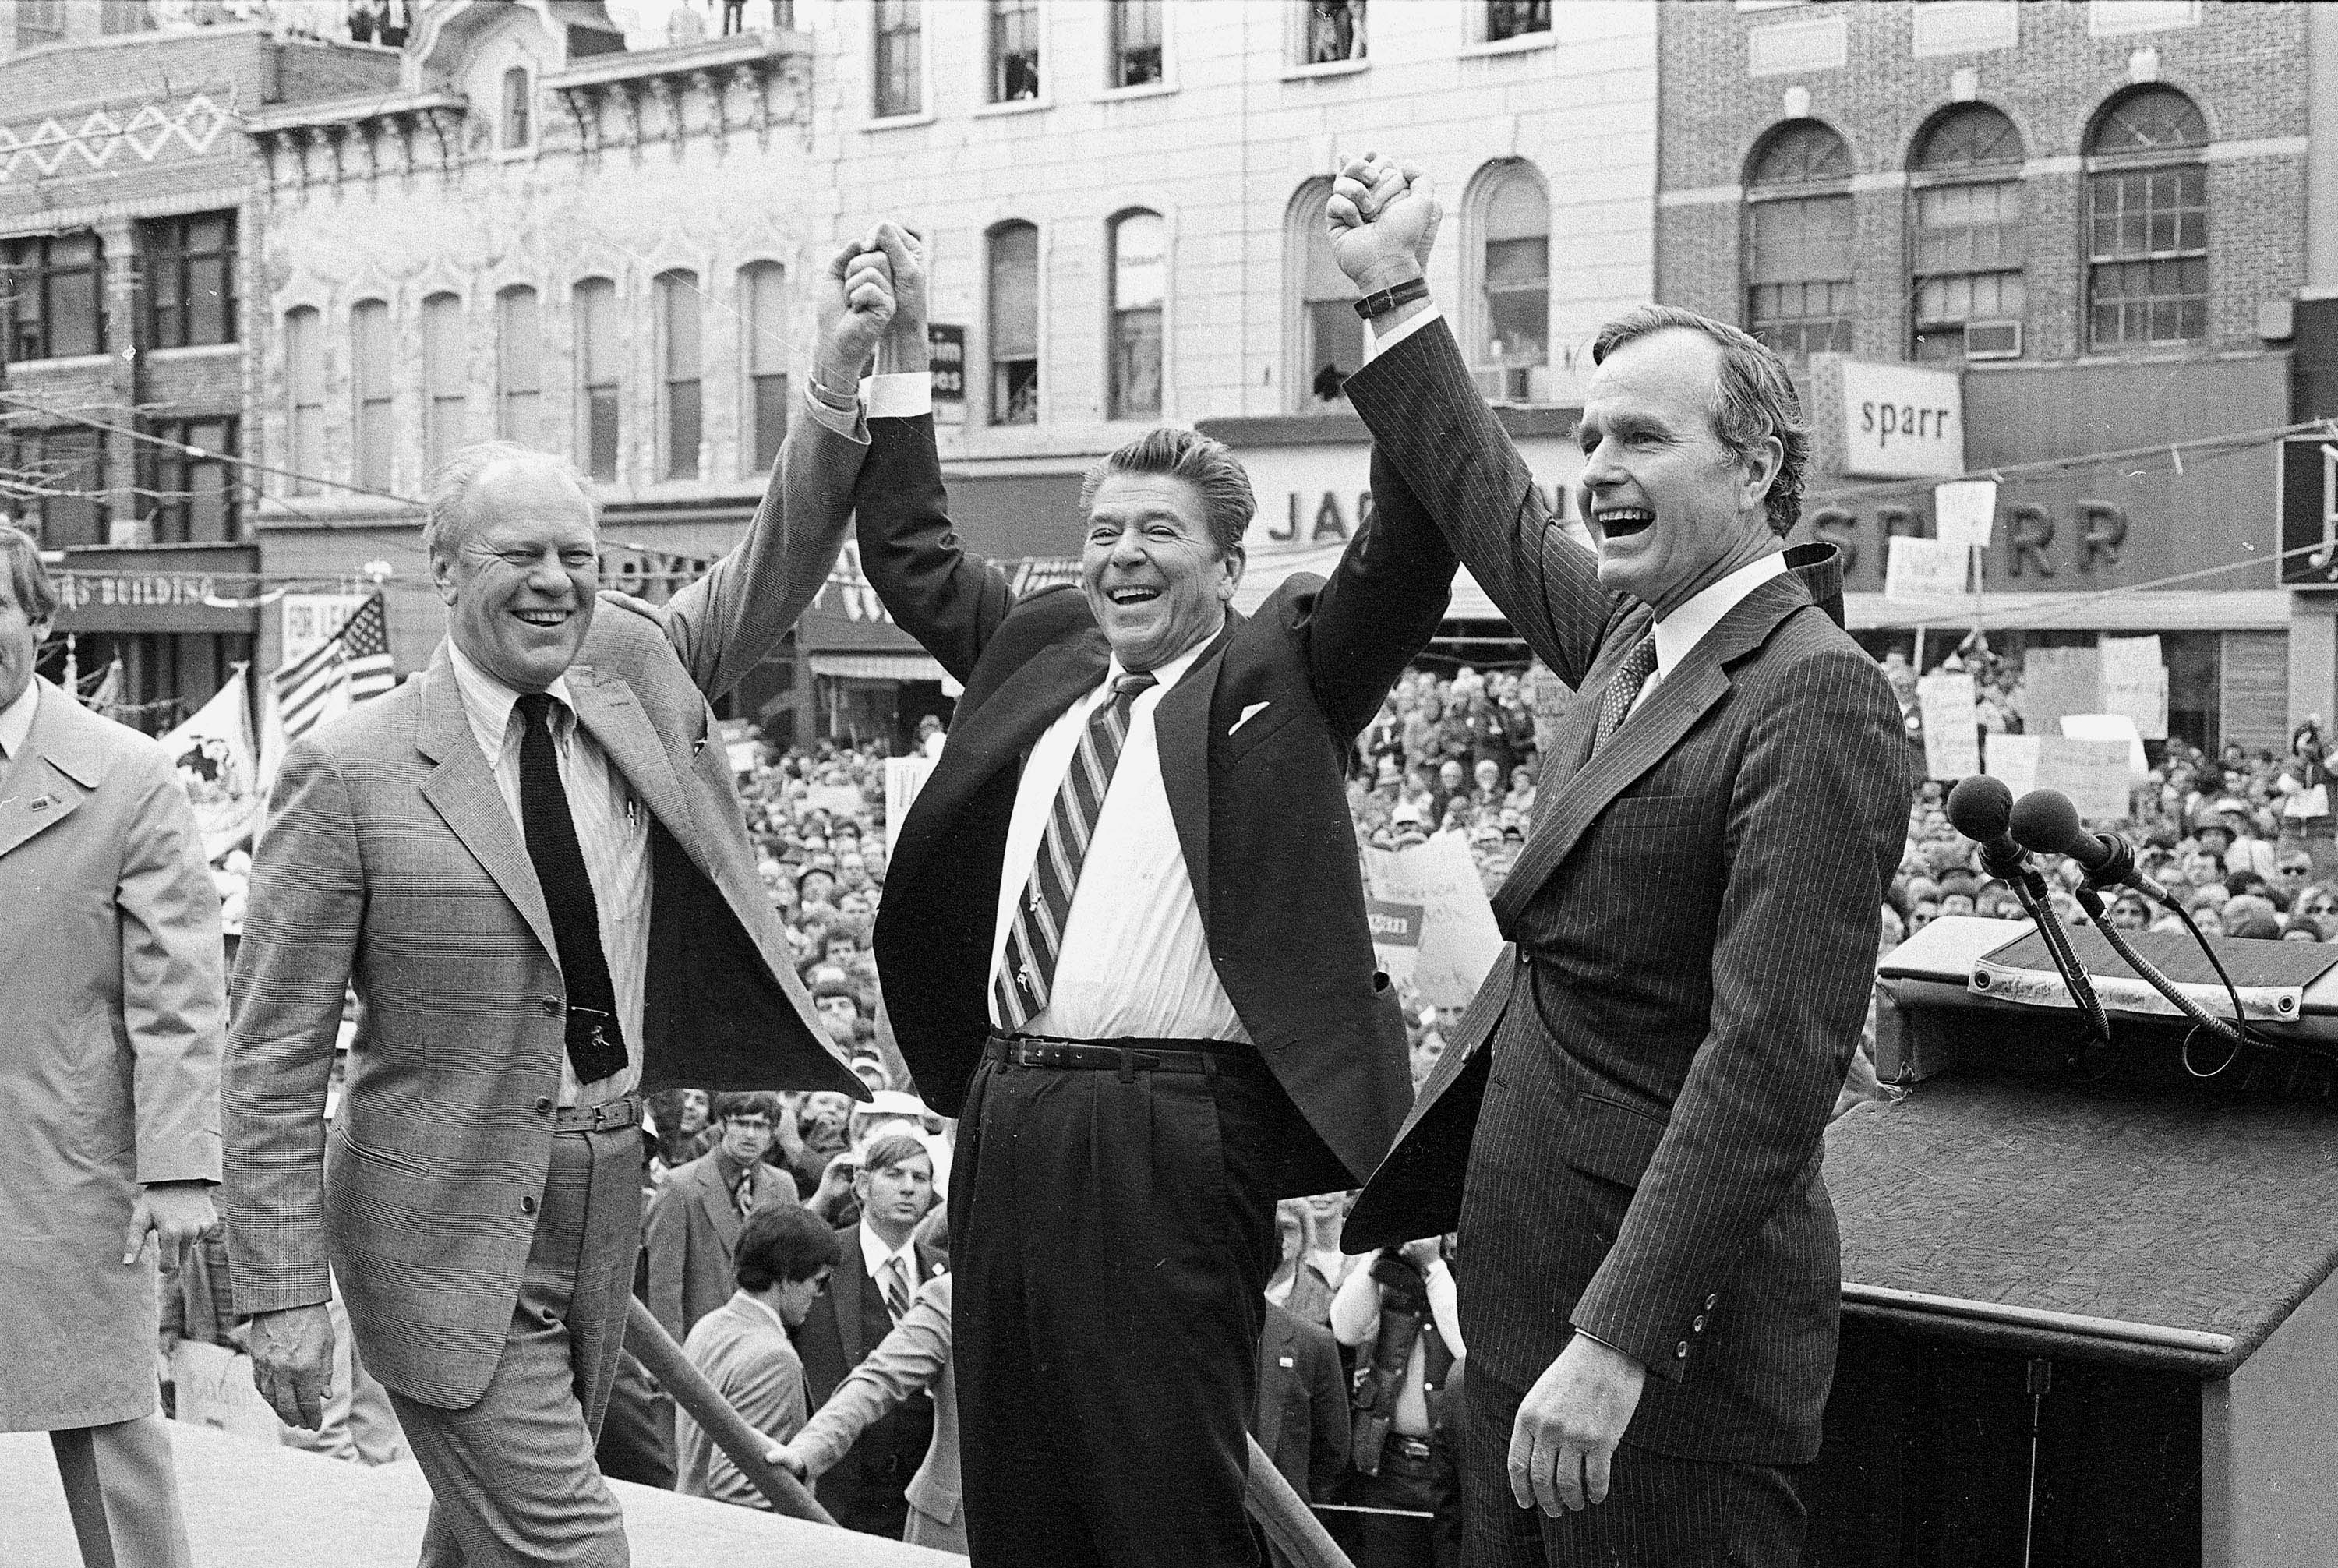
(1649, 1282)
(532, 865)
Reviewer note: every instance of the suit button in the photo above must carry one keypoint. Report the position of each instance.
(552, 1005)
(1680, 1352)
(528, 1205)
(1697, 1327)
(543, 1104)
(1710, 1302)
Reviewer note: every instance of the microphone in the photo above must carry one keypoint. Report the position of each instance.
(1981, 809)
(2045, 820)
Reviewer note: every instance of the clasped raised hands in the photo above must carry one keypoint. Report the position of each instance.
(874, 286)
(1383, 218)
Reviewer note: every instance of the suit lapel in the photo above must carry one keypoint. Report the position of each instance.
(1181, 735)
(720, 1212)
(1645, 738)
(462, 790)
(613, 716)
(60, 765)
(1025, 704)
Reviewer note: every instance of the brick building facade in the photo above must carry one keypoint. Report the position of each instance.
(2094, 217)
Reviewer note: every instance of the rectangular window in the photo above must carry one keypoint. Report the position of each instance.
(304, 390)
(57, 293)
(1136, 50)
(1969, 258)
(1333, 31)
(678, 335)
(194, 492)
(446, 379)
(1517, 301)
(1140, 284)
(115, 16)
(1798, 299)
(68, 468)
(2147, 279)
(1014, 51)
(519, 367)
(1015, 324)
(190, 280)
(765, 286)
(369, 386)
(598, 353)
(39, 22)
(898, 64)
(1515, 18)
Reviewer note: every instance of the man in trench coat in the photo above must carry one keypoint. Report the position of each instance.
(109, 1080)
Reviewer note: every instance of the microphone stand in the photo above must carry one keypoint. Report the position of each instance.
(2029, 887)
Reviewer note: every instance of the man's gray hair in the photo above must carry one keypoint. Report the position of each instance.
(28, 580)
(450, 497)
(1754, 400)
(1209, 467)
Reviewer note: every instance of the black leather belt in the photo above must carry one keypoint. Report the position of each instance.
(1127, 1057)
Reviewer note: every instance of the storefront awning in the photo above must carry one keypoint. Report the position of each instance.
(2198, 610)
(883, 667)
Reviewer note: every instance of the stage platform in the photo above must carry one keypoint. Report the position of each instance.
(254, 1505)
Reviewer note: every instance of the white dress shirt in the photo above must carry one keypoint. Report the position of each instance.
(16, 722)
(1680, 631)
(612, 828)
(1135, 958)
(875, 1257)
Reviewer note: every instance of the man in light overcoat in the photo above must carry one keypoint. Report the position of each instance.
(110, 962)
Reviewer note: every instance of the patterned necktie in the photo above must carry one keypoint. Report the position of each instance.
(897, 1286)
(1027, 971)
(1624, 690)
(596, 1041)
(745, 1196)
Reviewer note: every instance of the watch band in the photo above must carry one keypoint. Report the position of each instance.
(842, 402)
(1373, 305)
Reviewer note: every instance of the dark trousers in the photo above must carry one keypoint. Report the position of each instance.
(1405, 1484)
(1660, 1512)
(513, 1478)
(1112, 1238)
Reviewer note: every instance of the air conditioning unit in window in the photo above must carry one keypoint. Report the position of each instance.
(1509, 383)
(1992, 339)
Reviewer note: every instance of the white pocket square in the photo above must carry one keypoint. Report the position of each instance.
(1248, 713)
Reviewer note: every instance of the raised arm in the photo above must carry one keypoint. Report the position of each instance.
(1379, 608)
(1432, 432)
(725, 622)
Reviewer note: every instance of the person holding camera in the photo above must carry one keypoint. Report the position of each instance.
(1403, 1316)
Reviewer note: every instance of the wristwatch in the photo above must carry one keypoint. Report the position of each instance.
(1373, 305)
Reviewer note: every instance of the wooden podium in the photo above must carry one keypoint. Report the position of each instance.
(2088, 1316)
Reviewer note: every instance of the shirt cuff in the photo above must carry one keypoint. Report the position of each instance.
(1379, 343)
(902, 396)
(845, 422)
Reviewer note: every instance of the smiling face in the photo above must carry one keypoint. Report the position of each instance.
(1673, 508)
(20, 641)
(1150, 571)
(518, 577)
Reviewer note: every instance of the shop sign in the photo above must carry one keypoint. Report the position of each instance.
(310, 618)
(133, 590)
(1901, 422)
(947, 345)
(2307, 484)
(2039, 537)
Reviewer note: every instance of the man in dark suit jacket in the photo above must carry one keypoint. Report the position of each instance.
(1648, 1252)
(1217, 1032)
(1302, 1418)
(866, 1489)
(691, 1233)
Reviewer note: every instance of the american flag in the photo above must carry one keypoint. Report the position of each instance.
(351, 667)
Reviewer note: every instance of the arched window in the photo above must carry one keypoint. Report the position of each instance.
(1798, 248)
(678, 358)
(304, 395)
(1511, 219)
(1968, 241)
(1328, 342)
(763, 316)
(519, 109)
(1140, 286)
(1014, 325)
(370, 363)
(519, 366)
(2148, 221)
(599, 353)
(444, 378)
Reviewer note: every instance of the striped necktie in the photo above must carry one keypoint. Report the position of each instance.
(1624, 690)
(897, 1286)
(1026, 973)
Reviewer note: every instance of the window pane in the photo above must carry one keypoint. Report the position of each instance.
(678, 320)
(369, 372)
(444, 374)
(898, 39)
(207, 300)
(1136, 57)
(74, 326)
(304, 383)
(771, 394)
(1335, 349)
(682, 430)
(1516, 207)
(597, 329)
(1322, 280)
(601, 432)
(1515, 18)
(1140, 275)
(519, 334)
(1014, 391)
(1014, 50)
(1136, 364)
(767, 318)
(1335, 31)
(1015, 292)
(2149, 120)
(71, 464)
(1973, 137)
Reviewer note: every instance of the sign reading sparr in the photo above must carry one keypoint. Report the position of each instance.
(1902, 422)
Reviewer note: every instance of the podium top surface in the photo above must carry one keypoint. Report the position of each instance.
(2126, 1204)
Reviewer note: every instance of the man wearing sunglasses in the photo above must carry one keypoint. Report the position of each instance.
(786, 1256)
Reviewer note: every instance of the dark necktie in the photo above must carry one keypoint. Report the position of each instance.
(897, 1286)
(745, 1195)
(1028, 973)
(596, 1041)
(1624, 690)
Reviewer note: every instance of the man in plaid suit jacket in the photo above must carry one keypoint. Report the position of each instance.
(1648, 1258)
(483, 1214)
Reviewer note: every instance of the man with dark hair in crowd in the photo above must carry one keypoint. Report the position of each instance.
(786, 1258)
(883, 1267)
(692, 1230)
